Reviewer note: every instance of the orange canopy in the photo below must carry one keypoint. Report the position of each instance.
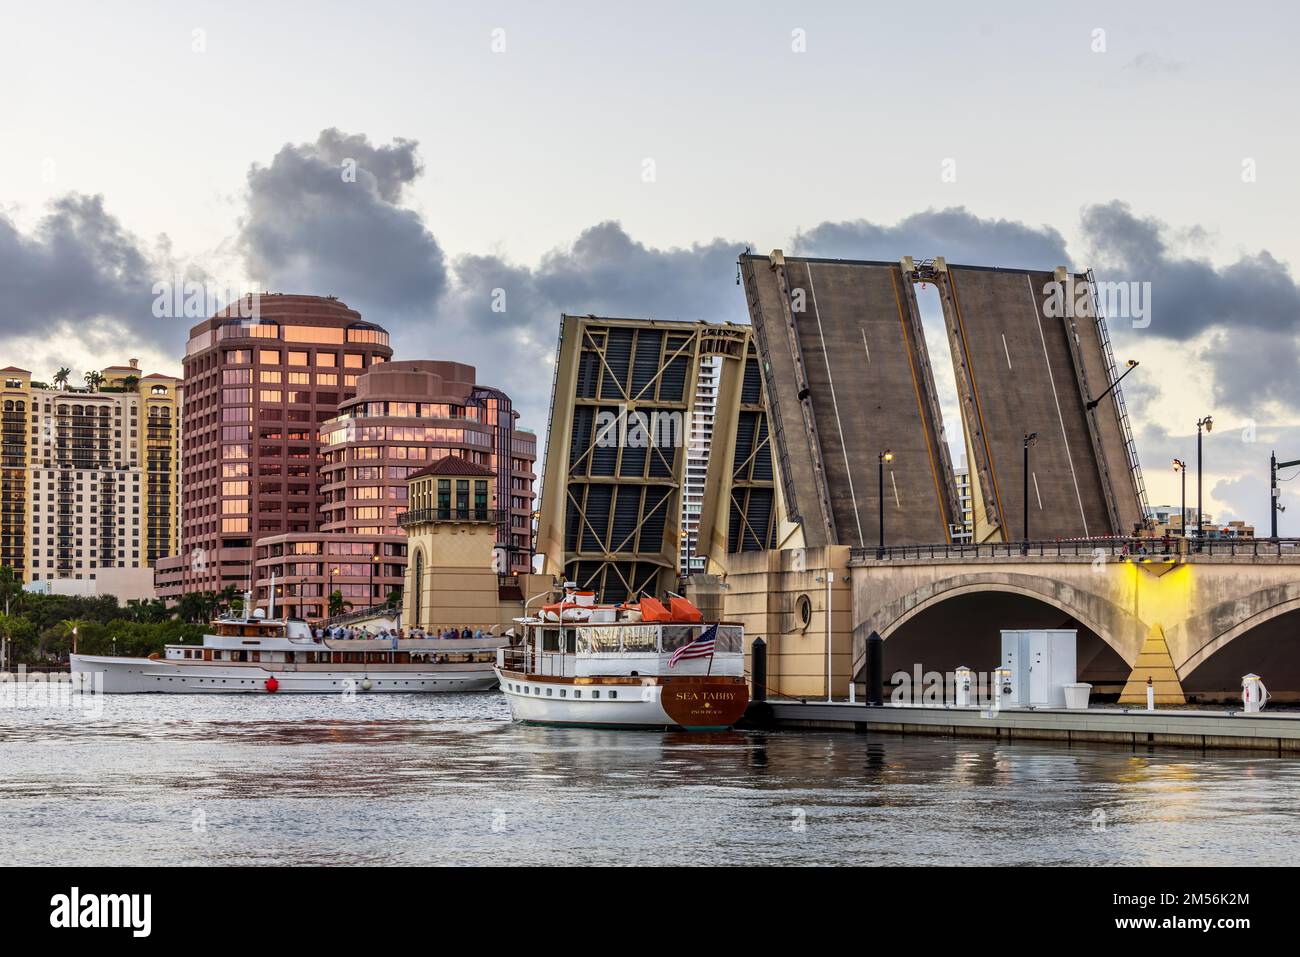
(652, 609)
(682, 610)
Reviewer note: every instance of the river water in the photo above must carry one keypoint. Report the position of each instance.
(448, 779)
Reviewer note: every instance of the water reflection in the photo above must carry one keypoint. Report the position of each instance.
(448, 779)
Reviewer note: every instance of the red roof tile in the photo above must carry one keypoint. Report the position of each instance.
(452, 465)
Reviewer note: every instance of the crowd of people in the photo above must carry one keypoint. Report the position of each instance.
(340, 633)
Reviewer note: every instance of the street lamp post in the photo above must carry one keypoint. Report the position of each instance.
(329, 588)
(1092, 404)
(1181, 467)
(882, 458)
(1273, 506)
(686, 548)
(1030, 439)
(1207, 424)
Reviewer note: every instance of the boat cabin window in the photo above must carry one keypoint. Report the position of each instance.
(551, 639)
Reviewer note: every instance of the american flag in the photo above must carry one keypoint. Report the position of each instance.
(701, 647)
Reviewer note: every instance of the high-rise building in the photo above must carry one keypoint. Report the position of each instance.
(405, 416)
(256, 394)
(89, 496)
(700, 441)
(963, 531)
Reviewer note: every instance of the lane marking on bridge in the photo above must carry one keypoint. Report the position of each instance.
(1036, 492)
(1006, 350)
(1065, 438)
(897, 501)
(865, 347)
(835, 404)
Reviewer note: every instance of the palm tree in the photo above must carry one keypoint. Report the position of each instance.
(337, 604)
(11, 589)
(93, 379)
(69, 628)
(61, 378)
(193, 606)
(227, 597)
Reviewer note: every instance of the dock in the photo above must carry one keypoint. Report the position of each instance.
(1277, 732)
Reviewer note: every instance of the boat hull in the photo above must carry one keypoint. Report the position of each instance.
(692, 705)
(159, 676)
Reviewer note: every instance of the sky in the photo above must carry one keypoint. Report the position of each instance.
(513, 161)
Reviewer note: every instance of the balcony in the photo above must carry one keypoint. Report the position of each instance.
(421, 516)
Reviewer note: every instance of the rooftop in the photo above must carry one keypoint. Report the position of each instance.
(452, 465)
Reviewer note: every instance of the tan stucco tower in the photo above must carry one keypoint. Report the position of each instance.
(451, 532)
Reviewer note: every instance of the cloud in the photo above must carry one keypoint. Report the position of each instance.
(1250, 308)
(955, 233)
(604, 271)
(325, 218)
(78, 264)
(307, 227)
(504, 317)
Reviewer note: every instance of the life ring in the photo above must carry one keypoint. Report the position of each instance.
(272, 686)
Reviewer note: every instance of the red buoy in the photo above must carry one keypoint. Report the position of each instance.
(272, 685)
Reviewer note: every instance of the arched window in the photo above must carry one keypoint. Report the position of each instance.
(418, 584)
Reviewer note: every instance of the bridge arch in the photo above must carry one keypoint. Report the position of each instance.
(1259, 633)
(960, 617)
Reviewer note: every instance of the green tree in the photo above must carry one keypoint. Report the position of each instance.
(197, 606)
(69, 630)
(337, 605)
(228, 596)
(19, 637)
(61, 378)
(11, 590)
(151, 611)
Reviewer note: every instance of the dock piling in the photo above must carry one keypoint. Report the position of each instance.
(875, 670)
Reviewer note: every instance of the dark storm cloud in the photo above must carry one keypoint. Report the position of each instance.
(1251, 306)
(324, 218)
(1190, 295)
(958, 235)
(505, 317)
(77, 264)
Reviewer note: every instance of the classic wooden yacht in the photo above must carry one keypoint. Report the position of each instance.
(262, 655)
(648, 665)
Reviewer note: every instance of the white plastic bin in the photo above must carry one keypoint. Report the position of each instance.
(1076, 696)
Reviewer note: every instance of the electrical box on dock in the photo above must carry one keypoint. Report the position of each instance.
(1042, 662)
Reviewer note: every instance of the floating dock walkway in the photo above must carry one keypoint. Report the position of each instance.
(1277, 732)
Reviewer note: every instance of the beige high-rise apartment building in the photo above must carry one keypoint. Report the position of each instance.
(89, 479)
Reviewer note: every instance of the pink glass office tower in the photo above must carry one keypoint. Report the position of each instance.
(256, 393)
(405, 415)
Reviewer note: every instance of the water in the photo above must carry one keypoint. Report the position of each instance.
(447, 779)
